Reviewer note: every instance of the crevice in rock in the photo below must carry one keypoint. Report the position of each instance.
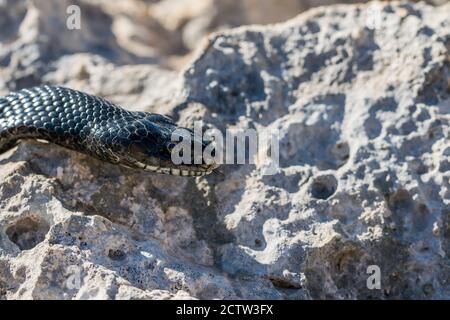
(281, 283)
(28, 232)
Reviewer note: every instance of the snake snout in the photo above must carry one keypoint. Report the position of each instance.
(195, 152)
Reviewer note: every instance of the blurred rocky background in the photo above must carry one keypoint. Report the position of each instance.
(359, 92)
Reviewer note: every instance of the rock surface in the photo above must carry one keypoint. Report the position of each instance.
(363, 109)
(159, 32)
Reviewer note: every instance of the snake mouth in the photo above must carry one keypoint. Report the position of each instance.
(184, 171)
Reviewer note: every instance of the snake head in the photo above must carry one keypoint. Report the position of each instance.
(155, 143)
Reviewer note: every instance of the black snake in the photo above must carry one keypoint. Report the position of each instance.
(93, 126)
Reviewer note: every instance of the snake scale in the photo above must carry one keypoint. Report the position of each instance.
(93, 126)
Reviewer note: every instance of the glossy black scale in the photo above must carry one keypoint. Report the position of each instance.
(91, 125)
(64, 115)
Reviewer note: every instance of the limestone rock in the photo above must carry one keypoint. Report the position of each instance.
(363, 109)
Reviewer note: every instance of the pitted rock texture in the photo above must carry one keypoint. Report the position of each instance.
(363, 113)
(163, 33)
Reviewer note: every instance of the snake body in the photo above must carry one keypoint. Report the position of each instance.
(93, 126)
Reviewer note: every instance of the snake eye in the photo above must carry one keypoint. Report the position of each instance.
(170, 146)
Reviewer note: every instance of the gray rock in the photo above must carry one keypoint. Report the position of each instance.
(36, 34)
(363, 109)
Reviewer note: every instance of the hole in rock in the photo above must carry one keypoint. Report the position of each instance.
(116, 254)
(400, 200)
(324, 187)
(341, 152)
(26, 233)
